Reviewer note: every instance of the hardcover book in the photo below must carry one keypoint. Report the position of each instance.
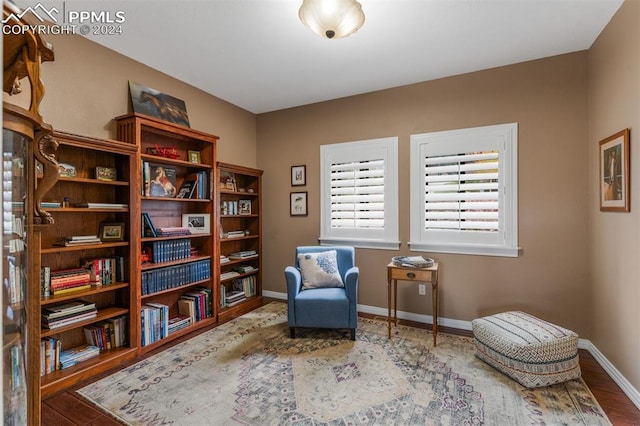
(162, 181)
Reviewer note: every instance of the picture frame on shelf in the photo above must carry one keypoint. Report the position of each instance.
(194, 157)
(614, 173)
(107, 174)
(198, 223)
(111, 231)
(244, 207)
(298, 204)
(298, 175)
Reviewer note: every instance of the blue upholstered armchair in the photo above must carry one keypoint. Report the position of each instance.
(324, 307)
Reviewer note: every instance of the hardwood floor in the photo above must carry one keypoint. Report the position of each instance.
(68, 408)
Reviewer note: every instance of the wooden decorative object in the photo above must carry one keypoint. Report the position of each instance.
(23, 53)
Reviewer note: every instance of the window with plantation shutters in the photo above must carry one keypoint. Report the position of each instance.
(464, 191)
(359, 193)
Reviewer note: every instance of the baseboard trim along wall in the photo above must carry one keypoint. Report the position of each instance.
(617, 377)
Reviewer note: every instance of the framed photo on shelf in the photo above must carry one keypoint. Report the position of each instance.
(298, 175)
(298, 204)
(614, 174)
(244, 206)
(111, 231)
(106, 173)
(194, 157)
(198, 223)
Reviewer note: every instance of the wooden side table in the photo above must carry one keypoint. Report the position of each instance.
(395, 273)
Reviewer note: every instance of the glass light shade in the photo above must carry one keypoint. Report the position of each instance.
(332, 18)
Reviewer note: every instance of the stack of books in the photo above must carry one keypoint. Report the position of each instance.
(233, 234)
(247, 254)
(234, 297)
(67, 280)
(178, 323)
(172, 231)
(101, 205)
(76, 240)
(78, 354)
(244, 269)
(224, 259)
(228, 275)
(61, 315)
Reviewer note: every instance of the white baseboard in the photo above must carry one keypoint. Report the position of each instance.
(611, 370)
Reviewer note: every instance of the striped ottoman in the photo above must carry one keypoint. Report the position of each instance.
(531, 351)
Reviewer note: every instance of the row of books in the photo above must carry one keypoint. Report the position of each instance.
(246, 254)
(235, 207)
(53, 358)
(160, 180)
(96, 272)
(246, 284)
(154, 319)
(63, 314)
(175, 276)
(63, 281)
(170, 250)
(197, 304)
(193, 306)
(106, 270)
(17, 281)
(108, 334)
(233, 234)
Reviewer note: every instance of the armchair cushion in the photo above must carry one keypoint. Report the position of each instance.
(319, 270)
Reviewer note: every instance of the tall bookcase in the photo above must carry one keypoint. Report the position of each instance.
(82, 203)
(173, 270)
(239, 217)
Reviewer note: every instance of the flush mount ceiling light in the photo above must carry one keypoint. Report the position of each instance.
(332, 18)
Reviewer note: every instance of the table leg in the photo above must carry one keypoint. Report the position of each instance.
(389, 305)
(434, 295)
(395, 301)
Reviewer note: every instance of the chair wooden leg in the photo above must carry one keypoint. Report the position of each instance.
(353, 334)
(292, 332)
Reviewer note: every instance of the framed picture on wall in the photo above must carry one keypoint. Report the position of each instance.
(298, 175)
(614, 172)
(298, 201)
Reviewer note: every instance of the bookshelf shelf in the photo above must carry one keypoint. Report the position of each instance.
(83, 247)
(90, 181)
(150, 266)
(49, 300)
(181, 288)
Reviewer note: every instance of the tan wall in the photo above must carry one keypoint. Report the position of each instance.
(614, 238)
(87, 86)
(546, 97)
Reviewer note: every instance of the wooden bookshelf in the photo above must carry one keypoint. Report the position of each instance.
(164, 209)
(114, 299)
(240, 209)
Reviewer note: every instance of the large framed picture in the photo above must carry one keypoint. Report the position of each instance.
(614, 174)
(298, 175)
(298, 204)
(198, 223)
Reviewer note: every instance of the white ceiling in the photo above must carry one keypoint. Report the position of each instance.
(256, 54)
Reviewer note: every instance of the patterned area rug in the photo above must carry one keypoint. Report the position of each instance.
(249, 371)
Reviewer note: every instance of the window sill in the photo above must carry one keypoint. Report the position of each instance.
(370, 244)
(479, 250)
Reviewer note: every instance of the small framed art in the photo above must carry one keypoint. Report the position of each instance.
(194, 157)
(298, 175)
(198, 223)
(244, 206)
(112, 231)
(106, 173)
(298, 204)
(614, 173)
